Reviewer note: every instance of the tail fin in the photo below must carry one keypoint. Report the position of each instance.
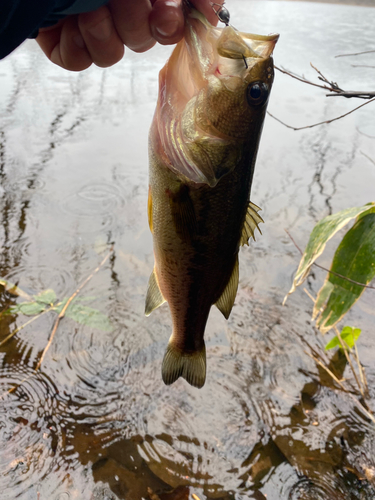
(190, 366)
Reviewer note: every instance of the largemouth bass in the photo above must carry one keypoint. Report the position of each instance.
(203, 142)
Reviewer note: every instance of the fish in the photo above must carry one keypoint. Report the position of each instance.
(203, 143)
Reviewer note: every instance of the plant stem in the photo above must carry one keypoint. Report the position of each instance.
(349, 360)
(68, 302)
(12, 334)
(362, 408)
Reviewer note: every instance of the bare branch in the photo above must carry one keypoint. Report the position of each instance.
(330, 85)
(302, 79)
(363, 133)
(62, 313)
(364, 154)
(354, 93)
(320, 123)
(356, 54)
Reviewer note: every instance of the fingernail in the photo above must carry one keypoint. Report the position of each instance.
(167, 28)
(103, 30)
(78, 40)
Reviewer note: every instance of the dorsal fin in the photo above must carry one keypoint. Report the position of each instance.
(251, 222)
(154, 297)
(226, 301)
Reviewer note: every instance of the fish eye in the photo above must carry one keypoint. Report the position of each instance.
(257, 93)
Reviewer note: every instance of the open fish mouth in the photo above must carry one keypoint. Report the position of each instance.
(226, 51)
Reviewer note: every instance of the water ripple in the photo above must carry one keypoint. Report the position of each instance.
(30, 433)
(36, 278)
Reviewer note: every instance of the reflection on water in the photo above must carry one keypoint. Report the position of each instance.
(97, 422)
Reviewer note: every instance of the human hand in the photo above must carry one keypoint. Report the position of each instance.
(98, 37)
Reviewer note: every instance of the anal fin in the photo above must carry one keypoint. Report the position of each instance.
(226, 300)
(190, 365)
(154, 297)
(251, 222)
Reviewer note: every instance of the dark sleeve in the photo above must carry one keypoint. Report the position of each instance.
(18, 20)
(21, 19)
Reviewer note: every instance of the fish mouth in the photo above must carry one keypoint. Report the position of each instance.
(225, 49)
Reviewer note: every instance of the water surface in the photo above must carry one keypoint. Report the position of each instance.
(97, 421)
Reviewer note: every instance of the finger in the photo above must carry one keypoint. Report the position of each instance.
(167, 21)
(207, 9)
(64, 45)
(131, 22)
(100, 36)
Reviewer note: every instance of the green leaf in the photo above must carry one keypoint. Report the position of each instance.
(28, 308)
(85, 315)
(321, 234)
(354, 259)
(89, 317)
(46, 297)
(348, 335)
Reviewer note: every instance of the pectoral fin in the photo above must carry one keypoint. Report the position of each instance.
(226, 301)
(154, 297)
(252, 221)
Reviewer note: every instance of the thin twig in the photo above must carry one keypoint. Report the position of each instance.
(358, 403)
(349, 360)
(361, 370)
(329, 372)
(63, 310)
(60, 316)
(354, 93)
(356, 53)
(328, 270)
(309, 295)
(12, 334)
(320, 123)
(361, 66)
(331, 86)
(364, 133)
(364, 154)
(303, 80)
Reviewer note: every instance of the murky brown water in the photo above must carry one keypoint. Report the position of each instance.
(97, 422)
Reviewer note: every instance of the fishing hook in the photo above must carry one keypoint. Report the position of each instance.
(221, 12)
(244, 60)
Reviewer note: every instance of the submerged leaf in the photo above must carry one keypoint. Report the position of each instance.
(85, 315)
(321, 234)
(46, 297)
(89, 317)
(354, 259)
(348, 335)
(28, 308)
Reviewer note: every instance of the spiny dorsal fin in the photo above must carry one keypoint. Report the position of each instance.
(154, 297)
(252, 221)
(226, 301)
(190, 366)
